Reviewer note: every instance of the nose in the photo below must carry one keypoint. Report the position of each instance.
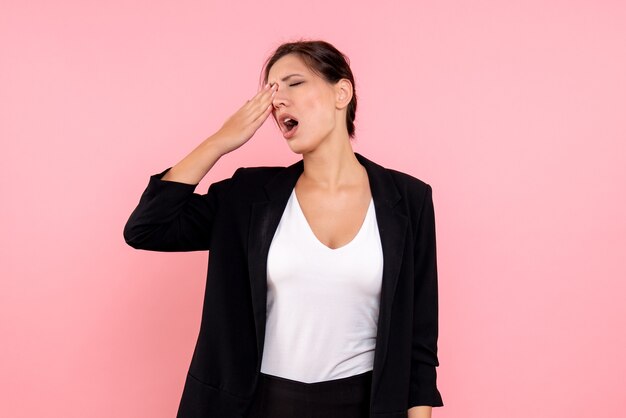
(279, 99)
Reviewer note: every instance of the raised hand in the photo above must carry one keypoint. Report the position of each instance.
(242, 124)
(235, 132)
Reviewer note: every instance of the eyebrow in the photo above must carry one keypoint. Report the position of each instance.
(291, 75)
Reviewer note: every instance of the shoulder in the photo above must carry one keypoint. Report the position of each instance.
(414, 198)
(257, 173)
(416, 193)
(401, 179)
(250, 178)
(406, 184)
(409, 181)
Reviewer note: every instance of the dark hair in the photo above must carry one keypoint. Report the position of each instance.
(323, 59)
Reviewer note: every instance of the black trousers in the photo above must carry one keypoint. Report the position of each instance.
(277, 397)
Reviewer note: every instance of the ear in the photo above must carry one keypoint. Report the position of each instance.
(343, 93)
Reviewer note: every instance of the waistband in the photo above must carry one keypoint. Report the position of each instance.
(357, 384)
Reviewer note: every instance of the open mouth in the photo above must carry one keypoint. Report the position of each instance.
(288, 124)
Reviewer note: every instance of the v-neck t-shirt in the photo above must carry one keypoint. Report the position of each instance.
(322, 303)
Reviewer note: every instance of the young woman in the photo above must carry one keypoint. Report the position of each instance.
(321, 294)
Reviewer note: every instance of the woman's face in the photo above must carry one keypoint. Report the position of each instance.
(306, 98)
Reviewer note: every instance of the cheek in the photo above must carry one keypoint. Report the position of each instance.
(320, 107)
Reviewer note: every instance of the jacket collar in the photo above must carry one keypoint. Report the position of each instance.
(392, 226)
(382, 186)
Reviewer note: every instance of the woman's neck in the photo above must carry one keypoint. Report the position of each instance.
(332, 165)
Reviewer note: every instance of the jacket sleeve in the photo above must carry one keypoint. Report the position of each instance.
(423, 386)
(170, 216)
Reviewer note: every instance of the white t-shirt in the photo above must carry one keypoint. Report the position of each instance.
(322, 303)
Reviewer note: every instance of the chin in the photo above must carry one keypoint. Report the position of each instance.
(304, 145)
(300, 145)
(296, 149)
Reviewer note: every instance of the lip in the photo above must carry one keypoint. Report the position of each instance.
(291, 133)
(287, 134)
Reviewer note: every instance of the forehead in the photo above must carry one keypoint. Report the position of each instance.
(289, 64)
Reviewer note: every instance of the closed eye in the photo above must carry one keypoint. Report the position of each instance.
(295, 84)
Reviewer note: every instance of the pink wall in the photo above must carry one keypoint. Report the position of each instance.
(515, 114)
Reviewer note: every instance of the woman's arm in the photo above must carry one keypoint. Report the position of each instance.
(423, 389)
(169, 215)
(235, 132)
(421, 412)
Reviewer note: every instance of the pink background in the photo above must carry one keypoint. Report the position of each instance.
(513, 111)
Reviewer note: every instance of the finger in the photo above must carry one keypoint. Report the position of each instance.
(265, 89)
(268, 86)
(263, 116)
(256, 107)
(268, 90)
(260, 94)
(260, 105)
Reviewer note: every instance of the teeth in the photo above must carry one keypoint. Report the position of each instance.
(288, 124)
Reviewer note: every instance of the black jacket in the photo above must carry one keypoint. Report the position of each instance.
(236, 221)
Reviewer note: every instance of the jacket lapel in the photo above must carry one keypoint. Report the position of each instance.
(392, 225)
(264, 220)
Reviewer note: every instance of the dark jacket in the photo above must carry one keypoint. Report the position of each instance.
(236, 220)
